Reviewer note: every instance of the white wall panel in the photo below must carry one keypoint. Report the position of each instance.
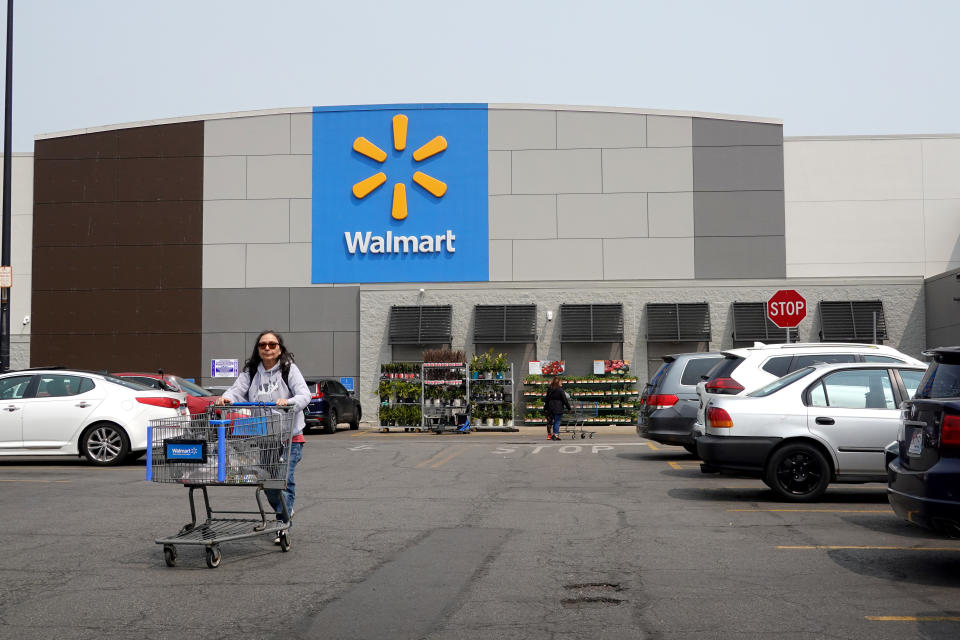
(941, 232)
(557, 259)
(648, 258)
(278, 265)
(941, 168)
(246, 221)
(258, 135)
(224, 266)
(602, 215)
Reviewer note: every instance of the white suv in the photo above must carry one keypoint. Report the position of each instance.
(743, 370)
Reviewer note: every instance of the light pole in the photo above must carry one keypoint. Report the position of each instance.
(7, 161)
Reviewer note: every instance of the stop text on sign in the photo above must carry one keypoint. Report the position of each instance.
(790, 308)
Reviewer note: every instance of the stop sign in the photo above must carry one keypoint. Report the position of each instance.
(786, 308)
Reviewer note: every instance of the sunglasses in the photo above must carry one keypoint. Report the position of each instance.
(268, 345)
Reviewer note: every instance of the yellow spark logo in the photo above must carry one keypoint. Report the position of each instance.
(368, 185)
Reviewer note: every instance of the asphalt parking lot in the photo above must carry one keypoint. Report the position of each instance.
(487, 535)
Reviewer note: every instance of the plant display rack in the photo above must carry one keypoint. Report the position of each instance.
(603, 399)
(401, 396)
(445, 393)
(491, 398)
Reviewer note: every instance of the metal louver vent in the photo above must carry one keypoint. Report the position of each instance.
(750, 322)
(591, 323)
(678, 322)
(495, 323)
(421, 325)
(851, 321)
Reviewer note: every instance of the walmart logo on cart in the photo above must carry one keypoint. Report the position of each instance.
(400, 193)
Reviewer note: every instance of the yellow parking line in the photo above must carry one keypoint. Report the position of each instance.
(652, 446)
(41, 481)
(813, 510)
(447, 459)
(913, 618)
(675, 465)
(863, 548)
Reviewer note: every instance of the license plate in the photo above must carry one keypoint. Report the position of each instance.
(916, 444)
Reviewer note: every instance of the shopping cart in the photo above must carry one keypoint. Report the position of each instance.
(239, 445)
(577, 418)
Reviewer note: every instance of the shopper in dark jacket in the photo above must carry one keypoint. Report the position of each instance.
(555, 402)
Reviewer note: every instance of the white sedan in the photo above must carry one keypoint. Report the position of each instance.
(67, 412)
(817, 425)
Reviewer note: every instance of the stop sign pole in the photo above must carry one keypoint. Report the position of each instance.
(786, 309)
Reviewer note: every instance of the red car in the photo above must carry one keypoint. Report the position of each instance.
(198, 398)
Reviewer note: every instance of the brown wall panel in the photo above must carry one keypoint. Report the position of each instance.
(184, 139)
(87, 145)
(118, 267)
(75, 180)
(144, 179)
(117, 256)
(176, 353)
(112, 223)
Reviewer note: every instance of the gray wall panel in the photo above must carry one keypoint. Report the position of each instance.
(249, 310)
(222, 346)
(750, 257)
(346, 353)
(313, 351)
(738, 168)
(325, 309)
(602, 215)
(645, 170)
(592, 130)
(521, 129)
(258, 135)
(670, 214)
(732, 133)
(669, 131)
(498, 172)
(523, 217)
(738, 213)
(548, 172)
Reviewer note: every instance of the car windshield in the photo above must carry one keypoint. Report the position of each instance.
(942, 380)
(780, 383)
(129, 384)
(191, 388)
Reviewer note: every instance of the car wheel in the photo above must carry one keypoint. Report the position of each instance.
(798, 472)
(355, 423)
(331, 424)
(104, 444)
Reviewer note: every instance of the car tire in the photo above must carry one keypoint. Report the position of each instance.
(104, 444)
(355, 423)
(798, 472)
(330, 426)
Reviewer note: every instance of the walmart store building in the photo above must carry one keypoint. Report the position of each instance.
(366, 233)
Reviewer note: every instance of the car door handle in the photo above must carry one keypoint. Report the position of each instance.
(11, 408)
(83, 404)
(824, 420)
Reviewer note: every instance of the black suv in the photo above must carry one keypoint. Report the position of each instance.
(330, 405)
(668, 404)
(924, 470)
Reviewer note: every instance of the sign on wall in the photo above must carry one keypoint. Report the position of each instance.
(400, 193)
(224, 368)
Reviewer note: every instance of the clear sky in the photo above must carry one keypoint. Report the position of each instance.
(825, 67)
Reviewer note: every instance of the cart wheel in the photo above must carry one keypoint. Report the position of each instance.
(213, 556)
(170, 555)
(591, 435)
(284, 541)
(582, 436)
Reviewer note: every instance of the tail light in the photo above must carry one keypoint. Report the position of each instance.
(166, 403)
(950, 431)
(719, 418)
(317, 394)
(662, 400)
(724, 386)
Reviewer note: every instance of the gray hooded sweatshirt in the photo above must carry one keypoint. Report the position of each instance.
(267, 386)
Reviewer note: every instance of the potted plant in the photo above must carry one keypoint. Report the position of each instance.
(499, 365)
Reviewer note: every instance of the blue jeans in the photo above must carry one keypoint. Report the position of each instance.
(274, 496)
(556, 423)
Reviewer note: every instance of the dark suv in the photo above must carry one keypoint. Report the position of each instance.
(330, 405)
(668, 404)
(924, 473)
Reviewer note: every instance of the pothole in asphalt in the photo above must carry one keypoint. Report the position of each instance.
(592, 594)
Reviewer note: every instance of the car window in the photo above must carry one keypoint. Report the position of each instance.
(192, 389)
(126, 384)
(697, 367)
(778, 366)
(655, 380)
(337, 388)
(821, 358)
(942, 380)
(153, 383)
(14, 387)
(780, 383)
(723, 368)
(873, 358)
(854, 389)
(911, 380)
(61, 386)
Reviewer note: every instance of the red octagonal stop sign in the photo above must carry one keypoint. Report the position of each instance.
(786, 308)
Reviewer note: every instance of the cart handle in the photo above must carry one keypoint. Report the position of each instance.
(285, 407)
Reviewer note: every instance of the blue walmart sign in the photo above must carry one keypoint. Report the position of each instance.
(400, 193)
